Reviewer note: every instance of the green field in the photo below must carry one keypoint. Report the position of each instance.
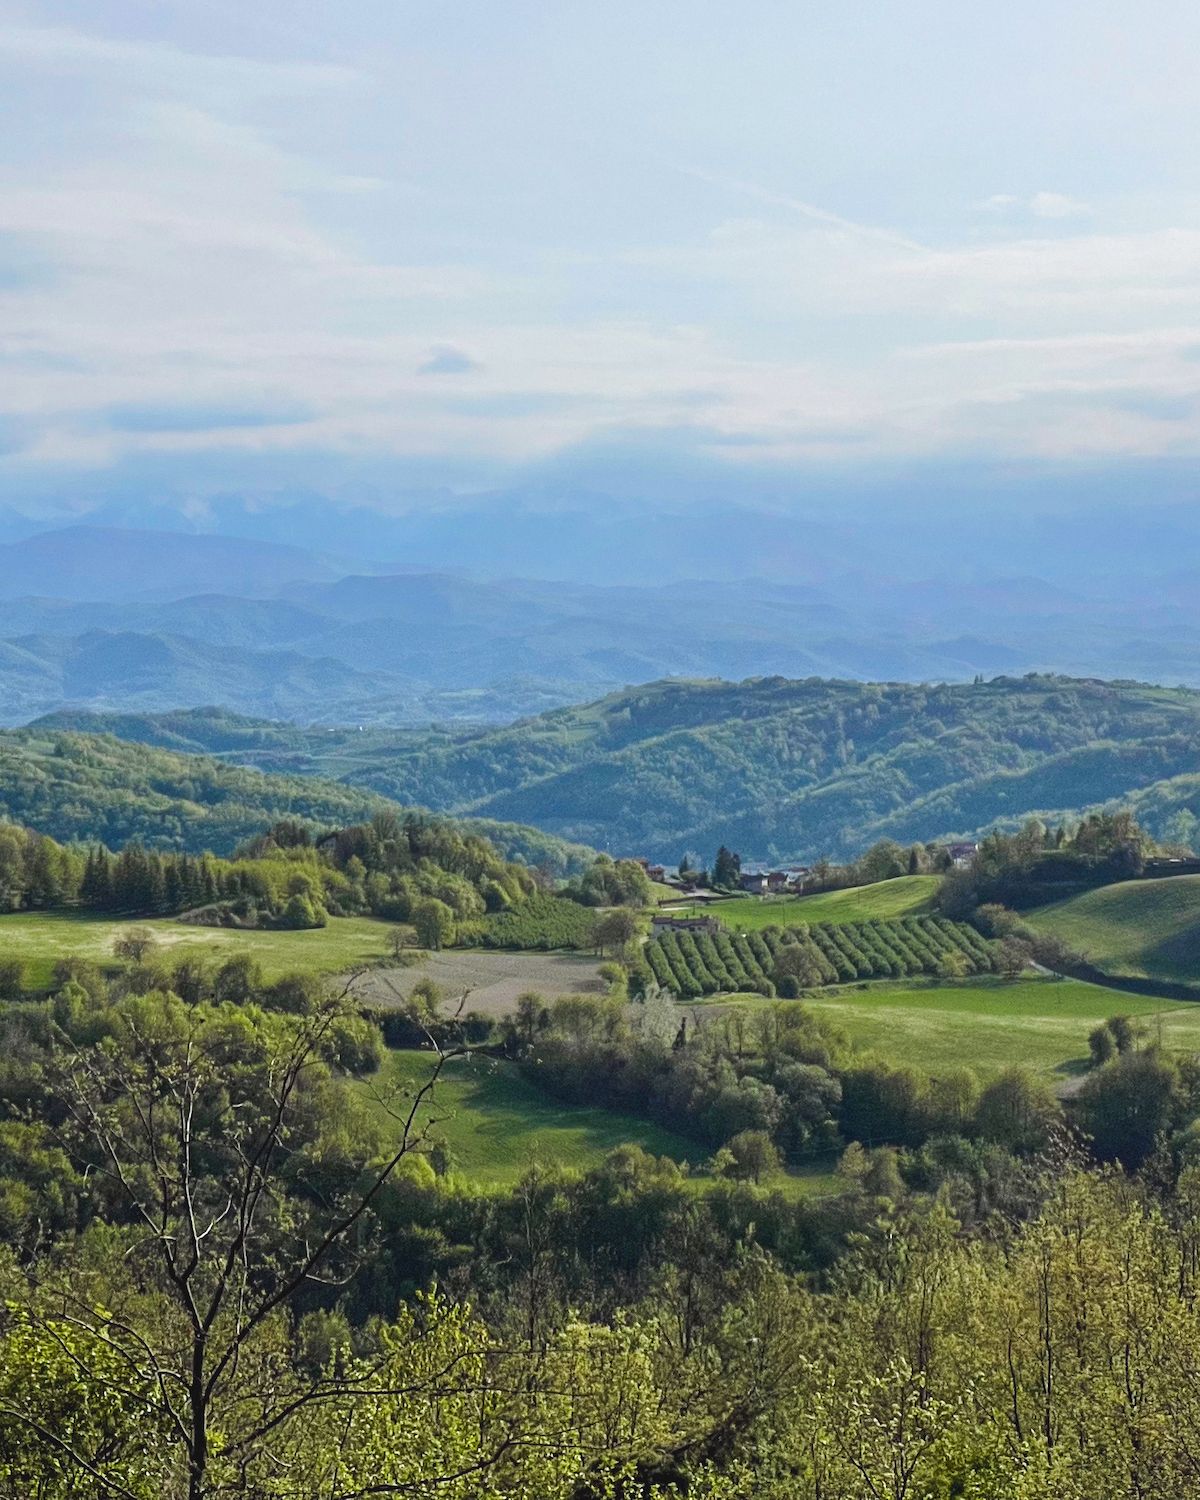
(38, 939)
(906, 896)
(988, 1025)
(1139, 928)
(498, 1124)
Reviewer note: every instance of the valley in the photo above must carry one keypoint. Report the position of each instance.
(599, 751)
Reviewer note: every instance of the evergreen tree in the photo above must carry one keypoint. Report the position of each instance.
(727, 870)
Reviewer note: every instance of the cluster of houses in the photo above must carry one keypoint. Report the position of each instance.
(791, 880)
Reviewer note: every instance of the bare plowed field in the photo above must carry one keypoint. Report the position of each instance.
(493, 980)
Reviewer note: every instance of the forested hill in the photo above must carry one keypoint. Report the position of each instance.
(88, 787)
(776, 768)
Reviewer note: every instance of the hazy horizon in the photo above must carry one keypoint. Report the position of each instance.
(800, 260)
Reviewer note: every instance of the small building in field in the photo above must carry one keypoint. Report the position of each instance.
(664, 923)
(754, 882)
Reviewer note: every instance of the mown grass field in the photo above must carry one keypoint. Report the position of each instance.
(498, 1124)
(38, 939)
(988, 1025)
(906, 896)
(1138, 928)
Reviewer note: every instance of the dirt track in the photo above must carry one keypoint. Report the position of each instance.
(494, 980)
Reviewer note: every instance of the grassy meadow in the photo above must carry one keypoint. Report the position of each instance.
(991, 1024)
(906, 896)
(38, 939)
(498, 1124)
(1138, 928)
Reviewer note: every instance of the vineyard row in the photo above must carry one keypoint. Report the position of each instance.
(695, 964)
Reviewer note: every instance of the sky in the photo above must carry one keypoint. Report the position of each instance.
(417, 246)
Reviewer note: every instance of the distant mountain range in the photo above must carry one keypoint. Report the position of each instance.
(117, 620)
(777, 769)
(111, 563)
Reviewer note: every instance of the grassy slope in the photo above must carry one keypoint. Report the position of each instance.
(988, 1025)
(1139, 928)
(39, 938)
(498, 1125)
(907, 896)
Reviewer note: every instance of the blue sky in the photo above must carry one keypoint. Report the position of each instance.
(453, 243)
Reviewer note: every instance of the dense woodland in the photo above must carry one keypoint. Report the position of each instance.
(784, 769)
(775, 768)
(96, 789)
(235, 1266)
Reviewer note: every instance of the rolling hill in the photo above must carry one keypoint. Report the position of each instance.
(1137, 929)
(82, 788)
(773, 767)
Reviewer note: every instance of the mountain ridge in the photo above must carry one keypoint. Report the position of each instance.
(778, 768)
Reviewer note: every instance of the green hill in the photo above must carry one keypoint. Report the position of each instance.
(86, 787)
(775, 768)
(906, 896)
(1139, 929)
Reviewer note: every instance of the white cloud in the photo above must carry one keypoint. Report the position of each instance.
(187, 265)
(1056, 206)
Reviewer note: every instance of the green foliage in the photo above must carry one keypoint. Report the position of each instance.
(780, 769)
(90, 788)
(541, 922)
(1038, 863)
(608, 882)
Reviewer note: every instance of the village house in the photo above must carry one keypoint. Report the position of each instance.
(961, 855)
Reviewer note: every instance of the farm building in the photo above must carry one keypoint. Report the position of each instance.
(662, 923)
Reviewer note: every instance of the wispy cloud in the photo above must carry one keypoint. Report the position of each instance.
(1040, 205)
(207, 259)
(447, 359)
(802, 208)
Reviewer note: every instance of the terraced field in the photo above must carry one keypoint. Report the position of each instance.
(691, 964)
